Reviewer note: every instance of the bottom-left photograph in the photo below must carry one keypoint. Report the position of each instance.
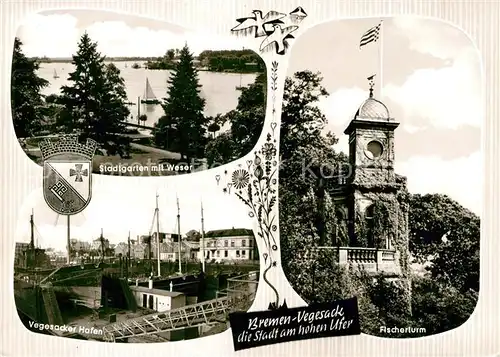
(149, 266)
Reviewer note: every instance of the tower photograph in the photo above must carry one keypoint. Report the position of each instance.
(380, 186)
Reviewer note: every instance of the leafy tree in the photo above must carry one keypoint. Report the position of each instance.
(95, 100)
(438, 307)
(246, 122)
(184, 110)
(213, 128)
(221, 150)
(193, 235)
(164, 133)
(440, 228)
(26, 98)
(170, 55)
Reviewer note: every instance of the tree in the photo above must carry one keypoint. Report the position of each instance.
(170, 55)
(246, 122)
(438, 307)
(454, 259)
(26, 98)
(221, 150)
(213, 128)
(193, 236)
(95, 100)
(184, 108)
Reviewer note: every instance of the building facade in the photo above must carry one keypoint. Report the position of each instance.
(157, 299)
(230, 245)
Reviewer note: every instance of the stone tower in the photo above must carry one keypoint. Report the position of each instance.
(377, 196)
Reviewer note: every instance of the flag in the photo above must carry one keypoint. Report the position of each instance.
(372, 35)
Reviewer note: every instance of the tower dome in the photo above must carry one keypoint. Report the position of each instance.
(373, 109)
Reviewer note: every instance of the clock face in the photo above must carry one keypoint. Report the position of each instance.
(374, 150)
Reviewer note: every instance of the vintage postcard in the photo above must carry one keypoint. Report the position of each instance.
(251, 178)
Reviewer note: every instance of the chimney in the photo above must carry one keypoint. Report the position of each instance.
(150, 283)
(136, 282)
(171, 286)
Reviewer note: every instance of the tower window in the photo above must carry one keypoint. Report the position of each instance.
(370, 225)
(374, 149)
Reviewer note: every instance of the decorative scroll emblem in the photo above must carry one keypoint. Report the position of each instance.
(275, 27)
(67, 174)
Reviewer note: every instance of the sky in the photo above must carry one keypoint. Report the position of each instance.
(122, 204)
(431, 79)
(56, 34)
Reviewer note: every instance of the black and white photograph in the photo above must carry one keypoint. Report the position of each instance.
(158, 99)
(150, 266)
(380, 182)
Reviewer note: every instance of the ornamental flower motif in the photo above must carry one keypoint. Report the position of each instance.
(240, 179)
(259, 173)
(269, 151)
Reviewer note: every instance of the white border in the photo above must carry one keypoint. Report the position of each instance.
(479, 336)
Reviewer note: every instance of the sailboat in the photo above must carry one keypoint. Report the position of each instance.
(149, 95)
(55, 74)
(240, 87)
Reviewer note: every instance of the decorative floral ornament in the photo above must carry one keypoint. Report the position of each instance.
(256, 187)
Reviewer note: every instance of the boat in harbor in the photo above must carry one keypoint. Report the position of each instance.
(55, 74)
(108, 291)
(149, 96)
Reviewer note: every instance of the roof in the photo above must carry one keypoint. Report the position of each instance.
(234, 232)
(373, 109)
(160, 292)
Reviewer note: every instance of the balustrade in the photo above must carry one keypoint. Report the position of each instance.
(371, 258)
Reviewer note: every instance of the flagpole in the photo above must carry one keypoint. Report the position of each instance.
(381, 58)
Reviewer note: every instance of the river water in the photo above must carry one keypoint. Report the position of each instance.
(218, 89)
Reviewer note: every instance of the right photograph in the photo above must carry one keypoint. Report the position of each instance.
(381, 177)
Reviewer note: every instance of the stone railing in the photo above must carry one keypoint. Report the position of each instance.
(372, 259)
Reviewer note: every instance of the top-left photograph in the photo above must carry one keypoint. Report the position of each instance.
(158, 99)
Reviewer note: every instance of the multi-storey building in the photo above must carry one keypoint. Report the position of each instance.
(230, 245)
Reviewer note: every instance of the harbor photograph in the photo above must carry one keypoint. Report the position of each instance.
(159, 99)
(382, 198)
(155, 265)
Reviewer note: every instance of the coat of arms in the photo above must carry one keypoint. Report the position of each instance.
(67, 174)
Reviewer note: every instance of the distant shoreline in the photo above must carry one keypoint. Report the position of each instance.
(107, 59)
(200, 69)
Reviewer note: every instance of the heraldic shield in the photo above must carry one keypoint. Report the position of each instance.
(67, 174)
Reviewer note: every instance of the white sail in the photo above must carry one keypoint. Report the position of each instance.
(55, 74)
(148, 92)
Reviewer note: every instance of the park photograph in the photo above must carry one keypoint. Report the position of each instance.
(157, 98)
(382, 198)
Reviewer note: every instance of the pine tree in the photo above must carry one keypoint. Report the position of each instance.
(95, 101)
(184, 110)
(26, 98)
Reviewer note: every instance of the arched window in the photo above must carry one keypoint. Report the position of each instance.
(388, 240)
(341, 228)
(369, 213)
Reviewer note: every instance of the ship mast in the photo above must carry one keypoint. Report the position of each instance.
(179, 234)
(128, 254)
(68, 239)
(157, 213)
(102, 245)
(202, 241)
(31, 256)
